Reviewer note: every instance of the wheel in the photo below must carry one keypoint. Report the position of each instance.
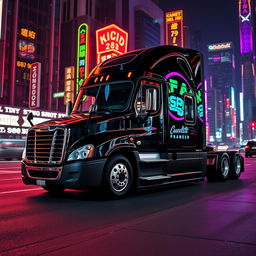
(53, 189)
(118, 176)
(223, 168)
(236, 169)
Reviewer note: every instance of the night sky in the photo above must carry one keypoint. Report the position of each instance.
(216, 20)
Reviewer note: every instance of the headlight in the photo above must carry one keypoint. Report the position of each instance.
(81, 153)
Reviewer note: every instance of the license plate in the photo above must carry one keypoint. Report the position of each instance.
(253, 147)
(40, 182)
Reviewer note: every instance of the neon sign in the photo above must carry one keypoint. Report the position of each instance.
(27, 33)
(111, 41)
(174, 28)
(26, 50)
(178, 86)
(245, 26)
(23, 64)
(222, 46)
(82, 54)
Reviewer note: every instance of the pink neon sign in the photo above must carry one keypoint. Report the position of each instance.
(245, 26)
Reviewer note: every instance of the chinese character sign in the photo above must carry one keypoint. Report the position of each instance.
(111, 41)
(69, 90)
(245, 26)
(174, 28)
(82, 54)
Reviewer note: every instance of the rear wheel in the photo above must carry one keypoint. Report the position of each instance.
(236, 167)
(223, 168)
(118, 176)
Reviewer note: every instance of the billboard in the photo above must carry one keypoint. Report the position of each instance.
(246, 44)
(110, 41)
(9, 119)
(82, 54)
(34, 85)
(174, 28)
(219, 46)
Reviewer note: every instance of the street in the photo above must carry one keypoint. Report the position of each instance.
(190, 219)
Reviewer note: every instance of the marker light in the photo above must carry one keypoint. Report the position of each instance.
(129, 74)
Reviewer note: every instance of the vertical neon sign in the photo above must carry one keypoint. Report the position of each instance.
(174, 28)
(245, 26)
(82, 55)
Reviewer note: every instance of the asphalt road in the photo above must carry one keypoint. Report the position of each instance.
(193, 219)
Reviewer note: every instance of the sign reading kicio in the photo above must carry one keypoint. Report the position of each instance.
(34, 88)
(111, 39)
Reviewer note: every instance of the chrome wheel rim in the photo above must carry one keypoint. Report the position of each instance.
(119, 177)
(225, 167)
(237, 165)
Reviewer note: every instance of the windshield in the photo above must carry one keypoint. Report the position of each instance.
(106, 97)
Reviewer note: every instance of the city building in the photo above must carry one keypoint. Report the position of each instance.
(29, 33)
(221, 93)
(141, 20)
(247, 50)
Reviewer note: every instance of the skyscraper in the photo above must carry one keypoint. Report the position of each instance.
(248, 89)
(30, 34)
(221, 101)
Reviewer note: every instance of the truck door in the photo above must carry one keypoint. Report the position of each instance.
(149, 124)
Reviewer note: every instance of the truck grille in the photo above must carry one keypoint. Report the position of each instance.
(45, 146)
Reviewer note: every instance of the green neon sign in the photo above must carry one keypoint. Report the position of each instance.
(82, 55)
(58, 95)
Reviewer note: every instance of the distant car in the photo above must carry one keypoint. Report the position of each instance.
(250, 148)
(11, 148)
(222, 147)
(211, 146)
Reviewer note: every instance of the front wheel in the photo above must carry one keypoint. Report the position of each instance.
(118, 176)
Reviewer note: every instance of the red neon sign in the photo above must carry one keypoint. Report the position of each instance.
(174, 28)
(111, 40)
(34, 86)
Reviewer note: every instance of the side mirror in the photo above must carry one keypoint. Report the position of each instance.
(151, 100)
(30, 117)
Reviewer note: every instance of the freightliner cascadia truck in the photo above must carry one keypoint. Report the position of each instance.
(139, 121)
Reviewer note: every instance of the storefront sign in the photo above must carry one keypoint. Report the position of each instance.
(174, 28)
(111, 40)
(34, 88)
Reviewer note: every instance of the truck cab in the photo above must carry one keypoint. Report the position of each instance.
(138, 122)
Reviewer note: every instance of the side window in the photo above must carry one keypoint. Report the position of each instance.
(147, 100)
(189, 109)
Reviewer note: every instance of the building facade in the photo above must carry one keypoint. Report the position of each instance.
(247, 50)
(30, 32)
(141, 19)
(221, 93)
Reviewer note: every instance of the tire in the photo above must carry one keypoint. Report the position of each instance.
(236, 167)
(223, 168)
(118, 176)
(53, 189)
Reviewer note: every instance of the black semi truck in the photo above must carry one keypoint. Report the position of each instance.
(138, 122)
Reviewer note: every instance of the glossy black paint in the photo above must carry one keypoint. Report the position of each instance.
(136, 135)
